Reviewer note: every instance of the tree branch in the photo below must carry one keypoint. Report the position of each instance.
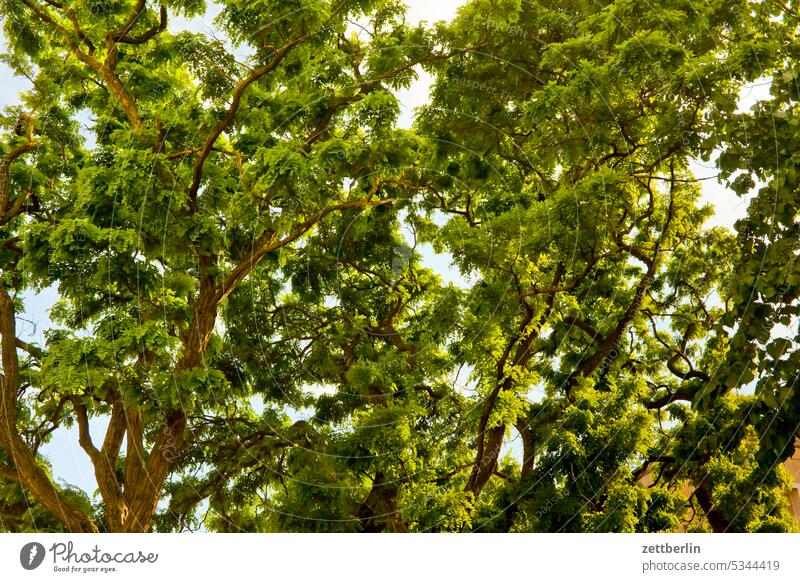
(669, 398)
(267, 243)
(84, 436)
(32, 350)
(8, 159)
(229, 117)
(121, 35)
(586, 327)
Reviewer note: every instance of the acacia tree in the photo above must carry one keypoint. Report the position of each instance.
(564, 147)
(206, 170)
(245, 305)
(560, 147)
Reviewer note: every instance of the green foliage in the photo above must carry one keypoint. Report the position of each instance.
(241, 242)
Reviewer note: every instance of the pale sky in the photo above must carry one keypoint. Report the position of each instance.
(68, 459)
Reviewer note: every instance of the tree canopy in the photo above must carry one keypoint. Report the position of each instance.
(252, 333)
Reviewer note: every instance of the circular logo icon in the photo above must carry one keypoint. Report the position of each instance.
(31, 555)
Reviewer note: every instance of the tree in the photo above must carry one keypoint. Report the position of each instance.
(564, 149)
(247, 307)
(205, 172)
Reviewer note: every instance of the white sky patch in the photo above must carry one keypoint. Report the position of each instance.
(752, 93)
(432, 10)
(416, 95)
(729, 207)
(11, 86)
(84, 117)
(203, 24)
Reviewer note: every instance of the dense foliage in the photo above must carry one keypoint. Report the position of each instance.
(243, 237)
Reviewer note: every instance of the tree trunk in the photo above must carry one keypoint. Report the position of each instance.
(31, 475)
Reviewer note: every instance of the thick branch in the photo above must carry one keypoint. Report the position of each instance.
(104, 69)
(84, 437)
(586, 327)
(490, 441)
(714, 516)
(135, 457)
(121, 35)
(669, 398)
(8, 159)
(268, 242)
(230, 115)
